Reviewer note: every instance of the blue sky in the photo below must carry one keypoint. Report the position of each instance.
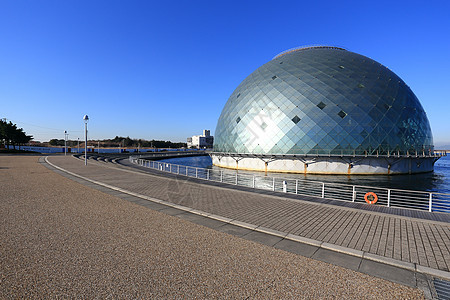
(164, 69)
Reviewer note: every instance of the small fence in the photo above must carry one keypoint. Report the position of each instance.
(430, 201)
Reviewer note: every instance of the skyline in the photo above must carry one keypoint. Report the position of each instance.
(151, 70)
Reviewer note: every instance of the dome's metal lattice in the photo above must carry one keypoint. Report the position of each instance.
(323, 101)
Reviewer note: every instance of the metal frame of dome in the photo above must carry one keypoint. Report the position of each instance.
(307, 48)
(326, 90)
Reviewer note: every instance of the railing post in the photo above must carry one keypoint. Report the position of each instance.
(323, 190)
(284, 186)
(296, 186)
(196, 172)
(207, 174)
(389, 198)
(236, 178)
(430, 205)
(354, 194)
(273, 183)
(186, 167)
(178, 169)
(221, 176)
(253, 182)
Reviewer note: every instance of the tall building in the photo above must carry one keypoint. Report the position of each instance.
(324, 110)
(203, 141)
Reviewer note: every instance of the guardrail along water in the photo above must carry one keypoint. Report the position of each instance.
(421, 200)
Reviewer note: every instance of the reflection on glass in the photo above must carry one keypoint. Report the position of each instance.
(323, 101)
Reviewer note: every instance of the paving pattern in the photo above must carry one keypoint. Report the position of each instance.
(423, 242)
(61, 239)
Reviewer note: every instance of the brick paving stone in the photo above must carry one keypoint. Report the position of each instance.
(430, 255)
(365, 233)
(437, 252)
(351, 235)
(390, 239)
(359, 230)
(442, 245)
(370, 234)
(339, 238)
(444, 237)
(397, 240)
(405, 245)
(328, 227)
(402, 238)
(421, 253)
(377, 235)
(413, 255)
(383, 237)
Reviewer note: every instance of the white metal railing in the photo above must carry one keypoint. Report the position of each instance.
(422, 200)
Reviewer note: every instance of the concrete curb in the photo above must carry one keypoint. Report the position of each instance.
(353, 252)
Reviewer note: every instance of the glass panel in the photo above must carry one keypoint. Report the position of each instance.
(363, 107)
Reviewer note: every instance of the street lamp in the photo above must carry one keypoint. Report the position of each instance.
(86, 120)
(65, 142)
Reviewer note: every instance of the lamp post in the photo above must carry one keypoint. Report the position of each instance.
(65, 142)
(86, 120)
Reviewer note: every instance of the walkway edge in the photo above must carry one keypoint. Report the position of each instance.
(353, 252)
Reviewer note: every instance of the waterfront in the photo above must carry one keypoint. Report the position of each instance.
(437, 181)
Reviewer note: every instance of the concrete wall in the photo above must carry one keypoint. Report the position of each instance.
(330, 165)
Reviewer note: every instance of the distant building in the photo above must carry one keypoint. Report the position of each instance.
(201, 141)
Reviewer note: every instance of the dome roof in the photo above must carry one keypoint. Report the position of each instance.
(322, 100)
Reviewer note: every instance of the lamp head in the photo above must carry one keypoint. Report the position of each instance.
(86, 118)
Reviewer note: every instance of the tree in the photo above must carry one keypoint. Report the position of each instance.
(11, 135)
(22, 138)
(56, 142)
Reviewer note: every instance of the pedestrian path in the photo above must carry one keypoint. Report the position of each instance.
(411, 243)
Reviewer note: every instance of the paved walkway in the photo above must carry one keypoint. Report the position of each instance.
(61, 239)
(420, 244)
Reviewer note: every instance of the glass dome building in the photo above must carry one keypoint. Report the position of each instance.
(324, 110)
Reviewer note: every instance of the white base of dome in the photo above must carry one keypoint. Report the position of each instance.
(345, 165)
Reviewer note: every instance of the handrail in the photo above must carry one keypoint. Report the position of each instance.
(419, 200)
